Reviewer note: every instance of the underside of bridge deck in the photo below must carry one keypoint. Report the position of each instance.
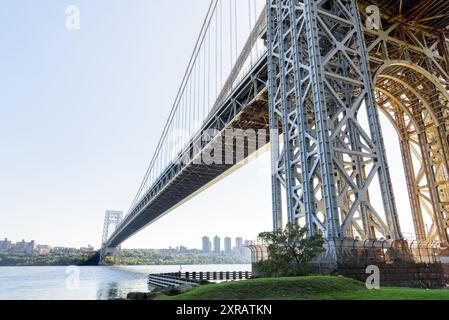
(245, 109)
(322, 75)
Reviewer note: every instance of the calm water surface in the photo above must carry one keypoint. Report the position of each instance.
(86, 283)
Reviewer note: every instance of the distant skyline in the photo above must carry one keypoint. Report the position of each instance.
(31, 240)
(199, 247)
(82, 111)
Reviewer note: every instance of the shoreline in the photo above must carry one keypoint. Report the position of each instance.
(129, 265)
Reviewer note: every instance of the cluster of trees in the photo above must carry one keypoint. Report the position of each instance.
(51, 259)
(127, 257)
(156, 257)
(290, 252)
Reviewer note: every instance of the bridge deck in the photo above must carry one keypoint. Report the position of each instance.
(246, 108)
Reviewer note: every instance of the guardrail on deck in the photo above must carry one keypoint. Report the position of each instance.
(176, 279)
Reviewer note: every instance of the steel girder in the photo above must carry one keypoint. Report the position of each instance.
(418, 132)
(400, 56)
(111, 218)
(410, 67)
(319, 82)
(412, 137)
(185, 164)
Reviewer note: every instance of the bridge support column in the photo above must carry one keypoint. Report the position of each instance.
(110, 252)
(444, 49)
(111, 220)
(410, 176)
(326, 159)
(438, 225)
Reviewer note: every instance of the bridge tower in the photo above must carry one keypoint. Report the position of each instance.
(112, 220)
(409, 63)
(330, 72)
(326, 160)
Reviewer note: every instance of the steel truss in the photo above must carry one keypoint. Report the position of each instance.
(111, 218)
(319, 86)
(187, 174)
(323, 66)
(411, 75)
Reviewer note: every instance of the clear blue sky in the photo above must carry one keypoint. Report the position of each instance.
(81, 113)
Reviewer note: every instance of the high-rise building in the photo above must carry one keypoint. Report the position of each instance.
(239, 244)
(206, 245)
(84, 249)
(30, 247)
(227, 245)
(27, 247)
(217, 248)
(5, 244)
(20, 246)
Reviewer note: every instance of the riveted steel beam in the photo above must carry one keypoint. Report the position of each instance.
(319, 83)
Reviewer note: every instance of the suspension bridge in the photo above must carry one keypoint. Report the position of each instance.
(308, 79)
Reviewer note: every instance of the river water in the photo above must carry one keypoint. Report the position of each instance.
(86, 283)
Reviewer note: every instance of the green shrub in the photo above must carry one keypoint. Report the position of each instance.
(289, 252)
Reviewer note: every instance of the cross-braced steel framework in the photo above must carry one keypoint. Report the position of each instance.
(112, 220)
(319, 82)
(320, 87)
(328, 73)
(409, 63)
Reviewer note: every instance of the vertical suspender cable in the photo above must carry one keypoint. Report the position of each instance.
(255, 21)
(208, 74)
(216, 56)
(221, 44)
(206, 53)
(231, 35)
(250, 25)
(155, 158)
(235, 32)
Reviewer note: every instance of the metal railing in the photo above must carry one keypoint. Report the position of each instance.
(354, 251)
(175, 279)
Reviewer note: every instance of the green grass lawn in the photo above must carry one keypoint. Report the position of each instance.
(304, 288)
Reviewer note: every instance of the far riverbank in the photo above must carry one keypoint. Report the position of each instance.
(128, 257)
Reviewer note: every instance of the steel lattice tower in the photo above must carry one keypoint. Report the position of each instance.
(409, 62)
(330, 69)
(328, 75)
(111, 219)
